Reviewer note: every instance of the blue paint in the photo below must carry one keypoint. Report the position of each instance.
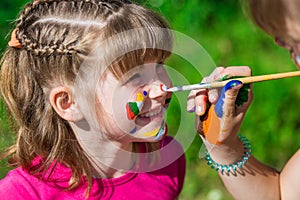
(133, 130)
(219, 104)
(232, 84)
(145, 93)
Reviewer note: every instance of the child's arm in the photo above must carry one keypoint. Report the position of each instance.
(218, 125)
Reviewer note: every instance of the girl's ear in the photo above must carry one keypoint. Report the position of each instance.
(61, 100)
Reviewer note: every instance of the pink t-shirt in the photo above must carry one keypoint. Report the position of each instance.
(161, 184)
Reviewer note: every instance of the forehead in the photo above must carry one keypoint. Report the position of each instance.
(131, 61)
(277, 17)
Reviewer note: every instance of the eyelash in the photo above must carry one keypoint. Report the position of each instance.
(134, 77)
(160, 68)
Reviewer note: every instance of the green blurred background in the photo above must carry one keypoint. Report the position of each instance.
(231, 39)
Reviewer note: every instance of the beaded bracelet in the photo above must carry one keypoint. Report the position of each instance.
(236, 165)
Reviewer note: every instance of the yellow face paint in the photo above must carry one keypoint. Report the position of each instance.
(151, 133)
(140, 97)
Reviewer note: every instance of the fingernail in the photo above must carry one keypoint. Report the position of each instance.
(212, 97)
(232, 84)
(190, 110)
(199, 110)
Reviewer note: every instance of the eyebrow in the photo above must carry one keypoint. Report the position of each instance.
(128, 76)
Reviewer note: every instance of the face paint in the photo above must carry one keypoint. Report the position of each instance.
(133, 131)
(151, 133)
(161, 132)
(158, 132)
(134, 108)
(163, 87)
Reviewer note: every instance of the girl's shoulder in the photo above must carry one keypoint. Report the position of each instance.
(18, 184)
(21, 183)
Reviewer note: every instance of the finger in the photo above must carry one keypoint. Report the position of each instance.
(236, 71)
(201, 102)
(190, 106)
(213, 94)
(214, 75)
(224, 74)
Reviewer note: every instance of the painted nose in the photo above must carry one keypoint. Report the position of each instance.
(155, 90)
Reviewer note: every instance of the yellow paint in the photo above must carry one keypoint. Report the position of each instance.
(140, 97)
(151, 133)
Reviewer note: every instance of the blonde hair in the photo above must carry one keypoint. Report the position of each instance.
(271, 15)
(55, 37)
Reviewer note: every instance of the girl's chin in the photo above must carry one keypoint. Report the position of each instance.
(151, 134)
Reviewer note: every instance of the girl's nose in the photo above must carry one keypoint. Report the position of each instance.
(155, 90)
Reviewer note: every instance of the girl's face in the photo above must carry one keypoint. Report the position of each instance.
(140, 87)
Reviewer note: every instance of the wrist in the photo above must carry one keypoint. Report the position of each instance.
(230, 156)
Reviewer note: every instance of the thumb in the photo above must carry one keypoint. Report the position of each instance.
(227, 98)
(231, 91)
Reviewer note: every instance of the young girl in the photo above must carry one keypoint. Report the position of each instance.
(83, 80)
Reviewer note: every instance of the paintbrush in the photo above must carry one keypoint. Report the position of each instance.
(244, 80)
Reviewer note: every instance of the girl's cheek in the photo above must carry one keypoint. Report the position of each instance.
(133, 108)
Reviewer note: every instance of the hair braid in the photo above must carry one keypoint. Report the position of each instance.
(41, 10)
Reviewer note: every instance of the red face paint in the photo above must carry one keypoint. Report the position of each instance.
(163, 88)
(134, 108)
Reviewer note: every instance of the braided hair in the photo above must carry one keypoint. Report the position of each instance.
(55, 37)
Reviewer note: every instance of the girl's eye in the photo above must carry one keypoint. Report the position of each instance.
(134, 79)
(160, 69)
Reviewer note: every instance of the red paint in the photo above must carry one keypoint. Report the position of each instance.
(161, 87)
(130, 114)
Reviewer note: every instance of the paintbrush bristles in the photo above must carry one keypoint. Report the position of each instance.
(245, 80)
